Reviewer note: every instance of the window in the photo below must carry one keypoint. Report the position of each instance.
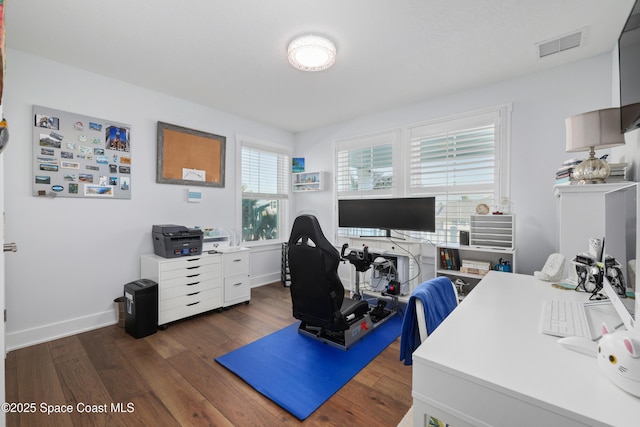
(265, 190)
(365, 166)
(457, 161)
(462, 161)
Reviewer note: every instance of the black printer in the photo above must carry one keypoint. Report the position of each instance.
(172, 241)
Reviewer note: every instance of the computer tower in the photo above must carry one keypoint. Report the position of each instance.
(141, 312)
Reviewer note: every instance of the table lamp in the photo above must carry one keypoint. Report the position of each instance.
(588, 131)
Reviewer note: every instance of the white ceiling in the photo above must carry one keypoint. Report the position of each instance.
(231, 54)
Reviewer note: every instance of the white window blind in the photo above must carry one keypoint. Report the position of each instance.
(265, 192)
(265, 174)
(458, 162)
(365, 166)
(454, 161)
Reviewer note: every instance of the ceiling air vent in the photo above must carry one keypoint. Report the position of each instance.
(560, 44)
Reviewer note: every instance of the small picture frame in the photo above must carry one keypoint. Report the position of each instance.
(297, 164)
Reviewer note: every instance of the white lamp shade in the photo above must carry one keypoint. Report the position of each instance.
(598, 129)
(311, 53)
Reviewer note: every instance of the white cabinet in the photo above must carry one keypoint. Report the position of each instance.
(307, 181)
(186, 286)
(236, 267)
(580, 216)
(192, 285)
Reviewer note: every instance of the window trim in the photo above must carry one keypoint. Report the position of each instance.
(503, 149)
(260, 144)
(383, 137)
(402, 153)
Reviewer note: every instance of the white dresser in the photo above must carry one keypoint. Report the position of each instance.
(236, 268)
(192, 285)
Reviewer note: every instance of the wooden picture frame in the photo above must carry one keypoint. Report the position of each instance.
(190, 157)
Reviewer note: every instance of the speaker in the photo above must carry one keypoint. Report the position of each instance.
(463, 236)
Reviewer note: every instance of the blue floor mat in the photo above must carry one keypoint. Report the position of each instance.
(300, 373)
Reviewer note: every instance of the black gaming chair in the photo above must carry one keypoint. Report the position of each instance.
(316, 291)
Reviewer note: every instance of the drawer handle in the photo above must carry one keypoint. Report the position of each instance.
(192, 294)
(194, 267)
(193, 303)
(193, 275)
(194, 259)
(237, 284)
(237, 260)
(191, 284)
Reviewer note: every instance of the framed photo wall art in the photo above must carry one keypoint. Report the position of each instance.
(80, 156)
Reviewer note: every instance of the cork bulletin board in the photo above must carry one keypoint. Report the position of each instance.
(80, 156)
(190, 157)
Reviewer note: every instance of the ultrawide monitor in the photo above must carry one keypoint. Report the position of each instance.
(407, 213)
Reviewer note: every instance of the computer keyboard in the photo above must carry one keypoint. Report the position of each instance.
(564, 319)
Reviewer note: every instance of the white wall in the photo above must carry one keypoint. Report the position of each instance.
(540, 104)
(75, 255)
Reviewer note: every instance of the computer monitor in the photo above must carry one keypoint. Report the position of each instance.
(621, 243)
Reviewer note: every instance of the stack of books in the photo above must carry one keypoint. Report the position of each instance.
(563, 175)
(565, 172)
(475, 267)
(449, 259)
(618, 172)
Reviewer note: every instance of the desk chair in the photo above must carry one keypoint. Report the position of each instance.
(429, 304)
(317, 294)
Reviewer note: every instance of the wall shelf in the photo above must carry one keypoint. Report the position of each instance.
(307, 181)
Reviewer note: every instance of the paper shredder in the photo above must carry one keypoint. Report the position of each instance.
(141, 312)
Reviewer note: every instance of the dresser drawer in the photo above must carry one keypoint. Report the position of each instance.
(236, 263)
(191, 271)
(165, 293)
(189, 262)
(182, 311)
(237, 289)
(191, 298)
(190, 279)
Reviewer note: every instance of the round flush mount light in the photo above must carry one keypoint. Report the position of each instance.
(311, 53)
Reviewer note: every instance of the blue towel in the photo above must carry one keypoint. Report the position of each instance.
(439, 299)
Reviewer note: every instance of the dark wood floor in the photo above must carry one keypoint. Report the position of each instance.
(171, 378)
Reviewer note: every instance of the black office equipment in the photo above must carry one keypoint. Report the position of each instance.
(171, 241)
(141, 311)
(405, 213)
(464, 237)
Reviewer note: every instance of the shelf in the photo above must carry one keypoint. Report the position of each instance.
(307, 181)
(458, 273)
(459, 253)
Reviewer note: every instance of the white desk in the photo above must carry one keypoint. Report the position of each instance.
(487, 364)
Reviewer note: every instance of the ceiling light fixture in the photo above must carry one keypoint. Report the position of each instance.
(311, 53)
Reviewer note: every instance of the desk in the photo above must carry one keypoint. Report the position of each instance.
(487, 364)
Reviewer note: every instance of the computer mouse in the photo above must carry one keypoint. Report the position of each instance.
(580, 345)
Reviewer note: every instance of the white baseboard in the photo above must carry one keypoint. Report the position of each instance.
(265, 279)
(50, 332)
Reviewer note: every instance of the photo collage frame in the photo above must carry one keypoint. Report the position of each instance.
(80, 156)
